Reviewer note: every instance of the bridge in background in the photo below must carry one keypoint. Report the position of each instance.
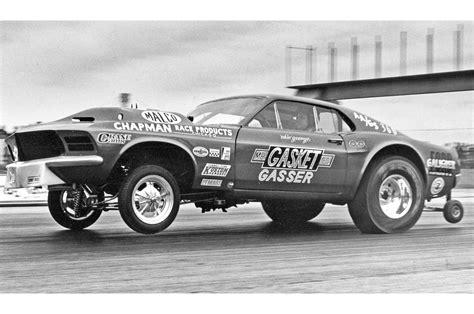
(455, 81)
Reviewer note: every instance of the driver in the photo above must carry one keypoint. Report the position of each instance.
(303, 121)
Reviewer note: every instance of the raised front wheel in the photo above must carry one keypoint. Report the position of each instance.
(149, 199)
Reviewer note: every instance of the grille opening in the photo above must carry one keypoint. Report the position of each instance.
(79, 143)
(37, 145)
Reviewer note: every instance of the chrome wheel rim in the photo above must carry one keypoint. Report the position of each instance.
(67, 205)
(152, 199)
(395, 196)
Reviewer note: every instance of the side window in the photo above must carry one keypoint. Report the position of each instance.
(289, 115)
(265, 118)
(341, 124)
(296, 116)
(329, 121)
(325, 120)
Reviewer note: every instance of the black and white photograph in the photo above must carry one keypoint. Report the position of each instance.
(225, 155)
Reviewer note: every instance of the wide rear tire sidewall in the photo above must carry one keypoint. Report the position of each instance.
(58, 214)
(391, 166)
(125, 199)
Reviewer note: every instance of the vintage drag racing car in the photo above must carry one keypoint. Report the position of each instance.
(292, 154)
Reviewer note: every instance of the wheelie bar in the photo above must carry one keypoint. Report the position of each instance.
(453, 211)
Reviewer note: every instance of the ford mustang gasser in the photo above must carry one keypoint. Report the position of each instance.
(292, 154)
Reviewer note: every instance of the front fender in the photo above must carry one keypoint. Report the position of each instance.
(154, 139)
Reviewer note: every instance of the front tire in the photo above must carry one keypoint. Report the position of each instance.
(149, 199)
(292, 212)
(390, 197)
(61, 206)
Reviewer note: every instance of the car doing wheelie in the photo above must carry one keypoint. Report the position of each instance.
(292, 154)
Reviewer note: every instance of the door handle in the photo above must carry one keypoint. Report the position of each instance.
(337, 141)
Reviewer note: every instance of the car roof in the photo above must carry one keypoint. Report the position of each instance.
(273, 97)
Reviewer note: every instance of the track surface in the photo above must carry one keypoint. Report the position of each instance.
(240, 251)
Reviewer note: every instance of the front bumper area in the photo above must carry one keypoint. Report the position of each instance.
(36, 173)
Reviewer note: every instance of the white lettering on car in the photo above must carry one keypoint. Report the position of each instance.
(374, 124)
(290, 164)
(215, 170)
(149, 127)
(113, 138)
(203, 131)
(211, 182)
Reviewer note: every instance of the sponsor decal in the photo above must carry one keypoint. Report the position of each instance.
(203, 131)
(357, 143)
(200, 151)
(216, 153)
(211, 182)
(440, 164)
(143, 127)
(259, 155)
(113, 138)
(293, 139)
(437, 186)
(225, 153)
(215, 170)
(379, 126)
(290, 164)
(161, 117)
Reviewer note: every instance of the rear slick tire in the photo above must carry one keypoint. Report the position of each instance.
(390, 198)
(292, 212)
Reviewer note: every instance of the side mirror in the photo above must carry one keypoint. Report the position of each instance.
(190, 118)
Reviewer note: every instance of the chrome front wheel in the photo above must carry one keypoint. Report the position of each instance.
(152, 199)
(149, 199)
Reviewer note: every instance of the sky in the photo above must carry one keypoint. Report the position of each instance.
(52, 69)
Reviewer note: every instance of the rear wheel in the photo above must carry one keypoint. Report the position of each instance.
(69, 208)
(149, 199)
(390, 197)
(292, 212)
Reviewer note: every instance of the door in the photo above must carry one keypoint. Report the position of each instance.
(291, 146)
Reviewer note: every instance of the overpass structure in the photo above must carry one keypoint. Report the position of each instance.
(442, 82)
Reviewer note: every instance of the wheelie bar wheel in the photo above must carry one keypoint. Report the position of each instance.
(453, 211)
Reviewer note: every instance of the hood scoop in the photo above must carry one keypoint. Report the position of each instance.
(82, 119)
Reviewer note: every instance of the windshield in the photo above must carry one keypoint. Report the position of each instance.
(226, 111)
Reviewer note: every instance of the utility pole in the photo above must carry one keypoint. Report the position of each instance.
(403, 53)
(429, 50)
(332, 62)
(354, 59)
(378, 56)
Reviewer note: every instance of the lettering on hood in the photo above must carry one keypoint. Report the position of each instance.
(161, 117)
(290, 164)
